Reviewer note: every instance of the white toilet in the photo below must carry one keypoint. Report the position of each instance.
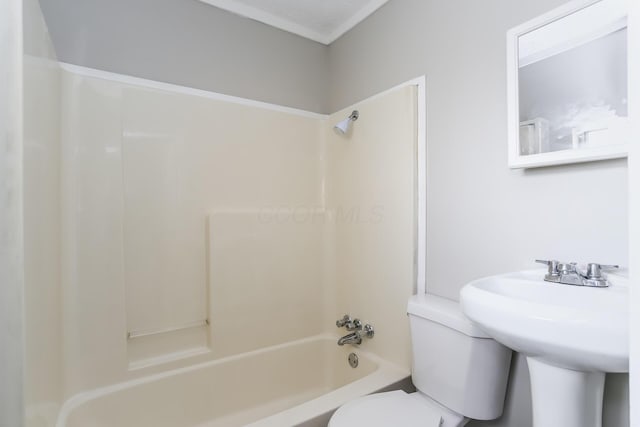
(460, 374)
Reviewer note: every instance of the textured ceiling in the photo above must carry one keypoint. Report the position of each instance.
(320, 20)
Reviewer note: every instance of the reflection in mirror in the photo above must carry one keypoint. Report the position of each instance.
(572, 76)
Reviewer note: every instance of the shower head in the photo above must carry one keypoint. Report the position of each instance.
(343, 126)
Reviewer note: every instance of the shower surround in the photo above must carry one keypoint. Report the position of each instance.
(183, 234)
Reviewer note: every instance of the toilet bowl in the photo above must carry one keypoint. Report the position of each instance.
(460, 373)
(395, 408)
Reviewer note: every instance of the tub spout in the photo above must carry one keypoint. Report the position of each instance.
(352, 338)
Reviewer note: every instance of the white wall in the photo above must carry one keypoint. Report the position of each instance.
(43, 335)
(11, 237)
(190, 43)
(482, 218)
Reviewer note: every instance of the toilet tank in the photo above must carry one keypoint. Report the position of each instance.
(454, 362)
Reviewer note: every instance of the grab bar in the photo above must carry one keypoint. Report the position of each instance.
(147, 332)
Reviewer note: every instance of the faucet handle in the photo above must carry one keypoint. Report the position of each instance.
(553, 266)
(354, 325)
(346, 319)
(368, 331)
(594, 270)
(568, 267)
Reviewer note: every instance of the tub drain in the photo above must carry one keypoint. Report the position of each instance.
(353, 360)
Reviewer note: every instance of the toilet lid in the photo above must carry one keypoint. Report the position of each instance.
(394, 408)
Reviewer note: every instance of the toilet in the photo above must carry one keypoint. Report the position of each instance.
(460, 374)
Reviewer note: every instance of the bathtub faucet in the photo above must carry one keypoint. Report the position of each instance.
(352, 338)
(356, 337)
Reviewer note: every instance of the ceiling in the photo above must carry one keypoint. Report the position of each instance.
(323, 21)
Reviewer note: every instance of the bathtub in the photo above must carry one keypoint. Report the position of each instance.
(294, 384)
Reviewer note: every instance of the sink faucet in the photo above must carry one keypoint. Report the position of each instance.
(569, 274)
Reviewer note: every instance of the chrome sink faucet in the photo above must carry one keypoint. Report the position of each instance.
(354, 325)
(570, 274)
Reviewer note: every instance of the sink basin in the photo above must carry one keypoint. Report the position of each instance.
(571, 336)
(572, 326)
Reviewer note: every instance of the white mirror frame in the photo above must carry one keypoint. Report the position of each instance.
(516, 160)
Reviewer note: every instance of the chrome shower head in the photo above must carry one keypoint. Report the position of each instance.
(343, 126)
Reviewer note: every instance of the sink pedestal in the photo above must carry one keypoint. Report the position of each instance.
(565, 397)
(585, 330)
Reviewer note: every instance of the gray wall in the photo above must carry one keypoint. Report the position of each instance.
(189, 43)
(482, 217)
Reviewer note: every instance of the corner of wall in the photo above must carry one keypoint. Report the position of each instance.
(41, 175)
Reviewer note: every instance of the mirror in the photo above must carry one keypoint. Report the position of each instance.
(567, 76)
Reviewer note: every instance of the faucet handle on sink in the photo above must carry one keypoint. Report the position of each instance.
(553, 266)
(594, 270)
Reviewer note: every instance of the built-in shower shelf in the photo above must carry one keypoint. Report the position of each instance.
(157, 331)
(169, 358)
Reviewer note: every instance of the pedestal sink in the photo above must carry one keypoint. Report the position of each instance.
(571, 336)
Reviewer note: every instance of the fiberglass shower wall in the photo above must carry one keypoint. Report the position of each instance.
(43, 376)
(372, 200)
(196, 227)
(175, 215)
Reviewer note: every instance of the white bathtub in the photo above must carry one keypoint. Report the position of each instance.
(297, 383)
